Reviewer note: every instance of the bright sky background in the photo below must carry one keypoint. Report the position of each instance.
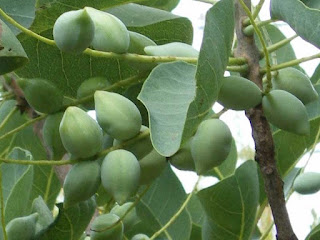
(299, 206)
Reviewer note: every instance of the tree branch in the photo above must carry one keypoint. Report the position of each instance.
(265, 151)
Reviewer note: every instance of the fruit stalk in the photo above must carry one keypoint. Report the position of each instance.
(265, 150)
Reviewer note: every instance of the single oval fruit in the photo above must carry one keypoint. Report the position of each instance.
(210, 145)
(151, 167)
(120, 173)
(73, 31)
(140, 236)
(100, 228)
(81, 182)
(110, 35)
(296, 83)
(117, 115)
(51, 136)
(80, 134)
(138, 42)
(89, 86)
(307, 183)
(176, 49)
(130, 219)
(183, 158)
(139, 148)
(22, 228)
(238, 93)
(41, 95)
(285, 111)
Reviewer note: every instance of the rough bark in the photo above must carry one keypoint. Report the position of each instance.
(262, 135)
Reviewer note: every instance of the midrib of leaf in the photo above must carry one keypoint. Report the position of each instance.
(46, 194)
(243, 211)
(165, 231)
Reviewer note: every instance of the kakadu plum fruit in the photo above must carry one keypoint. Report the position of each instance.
(73, 31)
(210, 145)
(80, 134)
(120, 175)
(285, 111)
(105, 227)
(307, 183)
(176, 49)
(117, 115)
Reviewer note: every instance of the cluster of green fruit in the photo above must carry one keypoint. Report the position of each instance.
(74, 31)
(283, 106)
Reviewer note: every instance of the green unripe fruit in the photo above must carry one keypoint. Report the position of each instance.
(51, 136)
(210, 145)
(41, 95)
(307, 183)
(111, 35)
(130, 219)
(183, 158)
(286, 112)
(22, 228)
(80, 134)
(151, 167)
(117, 115)
(139, 148)
(120, 173)
(100, 230)
(238, 93)
(176, 49)
(89, 86)
(296, 83)
(73, 31)
(81, 182)
(138, 42)
(140, 236)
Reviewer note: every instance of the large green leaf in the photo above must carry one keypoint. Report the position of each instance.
(23, 11)
(312, 3)
(213, 59)
(316, 75)
(161, 4)
(197, 214)
(16, 185)
(301, 18)
(12, 54)
(160, 203)
(71, 222)
(167, 94)
(231, 205)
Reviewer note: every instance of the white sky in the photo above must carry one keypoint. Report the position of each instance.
(299, 206)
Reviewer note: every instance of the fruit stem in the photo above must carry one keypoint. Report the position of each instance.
(7, 118)
(26, 124)
(3, 224)
(291, 63)
(260, 36)
(278, 45)
(255, 13)
(25, 30)
(176, 215)
(249, 30)
(218, 114)
(128, 56)
(240, 69)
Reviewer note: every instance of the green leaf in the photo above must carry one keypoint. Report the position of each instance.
(272, 35)
(197, 214)
(45, 218)
(228, 166)
(71, 222)
(159, 204)
(299, 17)
(231, 205)
(12, 54)
(314, 234)
(213, 60)
(161, 4)
(17, 184)
(23, 11)
(312, 3)
(289, 179)
(316, 75)
(166, 106)
(161, 26)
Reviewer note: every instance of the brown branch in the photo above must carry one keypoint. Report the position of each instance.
(265, 151)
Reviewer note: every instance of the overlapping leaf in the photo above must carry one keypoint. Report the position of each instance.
(312, 3)
(231, 205)
(301, 18)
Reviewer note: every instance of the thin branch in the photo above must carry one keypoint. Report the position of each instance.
(278, 45)
(249, 30)
(255, 13)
